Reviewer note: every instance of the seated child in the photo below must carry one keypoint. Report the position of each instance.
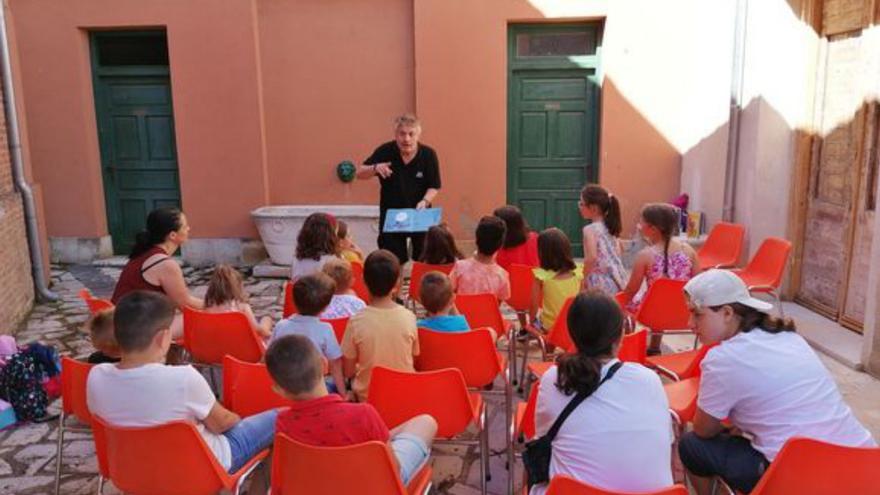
(557, 279)
(480, 274)
(344, 302)
(439, 301)
(141, 390)
(100, 327)
(321, 419)
(520, 243)
(382, 334)
(439, 247)
(312, 294)
(316, 243)
(348, 250)
(226, 293)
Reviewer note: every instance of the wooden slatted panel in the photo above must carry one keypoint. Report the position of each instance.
(843, 16)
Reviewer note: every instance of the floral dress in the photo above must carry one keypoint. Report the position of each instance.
(607, 274)
(678, 267)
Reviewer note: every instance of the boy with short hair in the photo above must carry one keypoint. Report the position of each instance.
(439, 301)
(382, 334)
(480, 274)
(141, 390)
(100, 327)
(322, 419)
(312, 294)
(344, 302)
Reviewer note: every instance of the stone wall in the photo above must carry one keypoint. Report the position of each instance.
(16, 285)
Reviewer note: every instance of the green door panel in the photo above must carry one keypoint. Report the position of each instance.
(138, 150)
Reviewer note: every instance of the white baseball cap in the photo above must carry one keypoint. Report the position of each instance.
(719, 287)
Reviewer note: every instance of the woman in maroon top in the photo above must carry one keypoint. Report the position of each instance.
(150, 266)
(520, 245)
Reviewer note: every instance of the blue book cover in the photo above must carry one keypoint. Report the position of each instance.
(411, 220)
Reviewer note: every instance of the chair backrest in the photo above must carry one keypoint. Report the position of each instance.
(418, 272)
(564, 485)
(95, 304)
(74, 375)
(481, 310)
(809, 466)
(401, 395)
(723, 246)
(522, 279)
(210, 336)
(558, 335)
(289, 305)
(169, 459)
(339, 325)
(634, 347)
(528, 420)
(665, 306)
(299, 468)
(473, 353)
(358, 284)
(769, 261)
(247, 388)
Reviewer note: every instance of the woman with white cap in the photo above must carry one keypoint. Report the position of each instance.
(764, 378)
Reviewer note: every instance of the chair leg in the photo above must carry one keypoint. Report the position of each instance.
(511, 356)
(100, 485)
(485, 474)
(509, 419)
(778, 303)
(58, 453)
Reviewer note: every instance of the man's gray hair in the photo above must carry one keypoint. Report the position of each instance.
(407, 120)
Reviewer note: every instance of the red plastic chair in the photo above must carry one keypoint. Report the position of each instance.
(289, 305)
(170, 459)
(481, 310)
(765, 269)
(524, 419)
(522, 279)
(634, 347)
(809, 466)
(74, 375)
(722, 247)
(210, 336)
(681, 365)
(419, 270)
(557, 337)
(473, 353)
(682, 397)
(664, 308)
(359, 286)
(365, 469)
(400, 395)
(95, 304)
(565, 485)
(247, 388)
(339, 325)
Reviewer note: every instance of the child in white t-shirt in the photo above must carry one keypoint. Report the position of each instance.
(764, 378)
(141, 390)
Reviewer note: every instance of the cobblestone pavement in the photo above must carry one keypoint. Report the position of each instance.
(27, 452)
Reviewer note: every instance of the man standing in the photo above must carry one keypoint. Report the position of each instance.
(409, 176)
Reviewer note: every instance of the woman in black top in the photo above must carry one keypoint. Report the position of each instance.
(409, 177)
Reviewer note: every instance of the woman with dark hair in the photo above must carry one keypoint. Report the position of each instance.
(764, 378)
(619, 438)
(315, 244)
(150, 265)
(520, 243)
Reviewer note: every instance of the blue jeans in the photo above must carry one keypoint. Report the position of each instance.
(411, 453)
(251, 435)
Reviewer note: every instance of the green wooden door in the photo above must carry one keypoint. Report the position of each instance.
(136, 134)
(552, 136)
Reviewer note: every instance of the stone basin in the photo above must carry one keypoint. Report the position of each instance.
(279, 225)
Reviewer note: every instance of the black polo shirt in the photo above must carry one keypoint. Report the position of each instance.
(408, 183)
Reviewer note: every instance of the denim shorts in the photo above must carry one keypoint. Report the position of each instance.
(731, 457)
(411, 453)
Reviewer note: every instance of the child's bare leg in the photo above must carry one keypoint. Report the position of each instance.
(266, 326)
(423, 426)
(177, 326)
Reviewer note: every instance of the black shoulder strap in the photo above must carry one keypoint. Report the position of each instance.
(576, 401)
(151, 265)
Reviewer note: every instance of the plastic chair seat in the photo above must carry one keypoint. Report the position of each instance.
(538, 369)
(680, 365)
(682, 397)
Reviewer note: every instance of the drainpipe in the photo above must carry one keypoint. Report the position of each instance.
(736, 101)
(30, 210)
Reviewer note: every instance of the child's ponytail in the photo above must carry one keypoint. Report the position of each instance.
(664, 218)
(612, 216)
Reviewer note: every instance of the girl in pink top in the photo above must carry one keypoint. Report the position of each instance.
(664, 257)
(481, 274)
(520, 244)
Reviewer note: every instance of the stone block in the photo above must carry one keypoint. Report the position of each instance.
(79, 249)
